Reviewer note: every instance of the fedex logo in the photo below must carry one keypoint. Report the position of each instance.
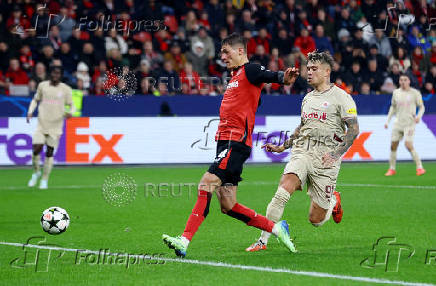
(18, 146)
(73, 139)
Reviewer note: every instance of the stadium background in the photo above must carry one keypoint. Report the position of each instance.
(383, 215)
(373, 42)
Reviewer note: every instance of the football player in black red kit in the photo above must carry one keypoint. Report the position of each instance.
(234, 142)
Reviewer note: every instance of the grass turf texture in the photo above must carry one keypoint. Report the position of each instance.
(370, 213)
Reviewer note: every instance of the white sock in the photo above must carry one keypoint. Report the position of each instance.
(275, 230)
(275, 209)
(392, 160)
(48, 165)
(416, 159)
(185, 241)
(35, 163)
(264, 236)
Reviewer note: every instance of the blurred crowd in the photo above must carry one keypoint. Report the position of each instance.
(173, 46)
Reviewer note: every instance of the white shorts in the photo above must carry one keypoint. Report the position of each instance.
(407, 132)
(43, 138)
(321, 182)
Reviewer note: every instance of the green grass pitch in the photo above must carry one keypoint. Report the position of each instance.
(403, 206)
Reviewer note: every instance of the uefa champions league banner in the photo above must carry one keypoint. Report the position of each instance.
(155, 140)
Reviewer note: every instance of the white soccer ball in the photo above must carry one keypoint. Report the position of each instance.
(55, 220)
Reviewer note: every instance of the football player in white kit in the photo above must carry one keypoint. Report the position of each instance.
(52, 96)
(328, 128)
(404, 102)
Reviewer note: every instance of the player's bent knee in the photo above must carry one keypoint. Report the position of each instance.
(315, 221)
(317, 224)
(290, 183)
(226, 207)
(287, 187)
(409, 146)
(49, 152)
(37, 148)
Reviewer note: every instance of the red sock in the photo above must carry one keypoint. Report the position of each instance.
(250, 217)
(199, 213)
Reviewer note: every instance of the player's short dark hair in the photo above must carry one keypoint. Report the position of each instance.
(55, 67)
(404, 74)
(322, 57)
(235, 39)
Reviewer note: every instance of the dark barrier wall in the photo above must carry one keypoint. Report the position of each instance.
(191, 105)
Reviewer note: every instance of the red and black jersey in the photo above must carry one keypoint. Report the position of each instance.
(240, 102)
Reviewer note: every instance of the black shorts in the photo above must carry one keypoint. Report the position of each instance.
(229, 160)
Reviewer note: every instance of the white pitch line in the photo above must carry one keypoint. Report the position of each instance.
(52, 187)
(388, 186)
(234, 266)
(351, 185)
(248, 183)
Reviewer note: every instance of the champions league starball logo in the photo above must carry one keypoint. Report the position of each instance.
(119, 190)
(119, 83)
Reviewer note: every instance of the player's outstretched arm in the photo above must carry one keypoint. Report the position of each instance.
(257, 74)
(71, 111)
(269, 147)
(392, 110)
(32, 107)
(70, 103)
(421, 108)
(288, 143)
(34, 103)
(352, 131)
(390, 114)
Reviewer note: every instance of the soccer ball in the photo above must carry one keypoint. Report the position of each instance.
(55, 220)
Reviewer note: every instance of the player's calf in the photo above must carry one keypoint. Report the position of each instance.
(37, 148)
(48, 166)
(317, 220)
(318, 215)
(227, 197)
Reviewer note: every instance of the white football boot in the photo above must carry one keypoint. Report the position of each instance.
(43, 184)
(32, 182)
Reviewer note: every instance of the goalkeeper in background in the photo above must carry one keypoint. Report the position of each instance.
(52, 96)
(404, 102)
